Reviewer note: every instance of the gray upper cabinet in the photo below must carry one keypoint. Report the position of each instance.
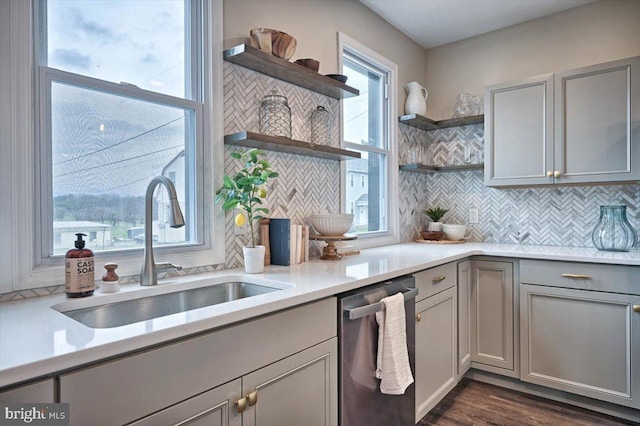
(41, 391)
(518, 139)
(577, 126)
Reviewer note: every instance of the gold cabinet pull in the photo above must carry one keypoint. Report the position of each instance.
(636, 308)
(253, 398)
(242, 404)
(549, 173)
(578, 276)
(418, 317)
(557, 173)
(440, 278)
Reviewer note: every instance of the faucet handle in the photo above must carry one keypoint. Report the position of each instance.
(167, 266)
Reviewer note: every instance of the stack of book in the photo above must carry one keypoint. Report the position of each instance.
(288, 242)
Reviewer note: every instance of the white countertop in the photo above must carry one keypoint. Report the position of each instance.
(37, 340)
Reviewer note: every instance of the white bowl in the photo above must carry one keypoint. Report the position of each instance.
(331, 224)
(455, 232)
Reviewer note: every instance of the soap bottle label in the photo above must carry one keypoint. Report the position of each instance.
(79, 275)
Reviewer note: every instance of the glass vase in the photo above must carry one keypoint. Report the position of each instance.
(275, 115)
(613, 231)
(321, 126)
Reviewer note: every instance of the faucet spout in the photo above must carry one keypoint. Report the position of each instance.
(149, 275)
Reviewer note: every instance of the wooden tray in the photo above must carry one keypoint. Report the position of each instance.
(420, 240)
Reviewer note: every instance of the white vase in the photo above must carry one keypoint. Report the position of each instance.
(435, 226)
(416, 102)
(253, 259)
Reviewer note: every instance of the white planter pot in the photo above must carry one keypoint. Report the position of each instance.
(435, 226)
(253, 259)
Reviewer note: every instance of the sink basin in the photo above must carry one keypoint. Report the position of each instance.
(145, 308)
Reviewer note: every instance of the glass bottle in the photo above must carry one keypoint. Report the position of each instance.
(321, 126)
(275, 115)
(614, 232)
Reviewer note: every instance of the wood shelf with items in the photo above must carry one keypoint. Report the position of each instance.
(424, 168)
(424, 123)
(291, 146)
(265, 63)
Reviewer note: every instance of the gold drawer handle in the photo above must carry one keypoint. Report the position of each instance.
(241, 404)
(636, 308)
(440, 278)
(418, 317)
(579, 276)
(253, 398)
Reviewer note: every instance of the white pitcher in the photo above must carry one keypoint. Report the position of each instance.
(416, 99)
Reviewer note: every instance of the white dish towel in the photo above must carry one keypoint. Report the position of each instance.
(393, 359)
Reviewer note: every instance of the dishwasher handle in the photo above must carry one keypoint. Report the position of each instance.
(363, 311)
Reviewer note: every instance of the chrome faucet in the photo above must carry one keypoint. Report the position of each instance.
(149, 275)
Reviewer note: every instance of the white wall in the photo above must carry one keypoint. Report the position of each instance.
(598, 32)
(315, 23)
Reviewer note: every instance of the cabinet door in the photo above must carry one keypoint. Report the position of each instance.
(492, 318)
(436, 355)
(212, 408)
(34, 392)
(518, 128)
(597, 121)
(464, 317)
(583, 342)
(298, 390)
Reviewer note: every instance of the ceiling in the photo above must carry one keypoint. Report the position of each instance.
(432, 23)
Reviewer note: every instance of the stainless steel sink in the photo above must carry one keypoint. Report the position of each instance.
(146, 308)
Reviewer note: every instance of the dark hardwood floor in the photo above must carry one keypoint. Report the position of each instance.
(476, 403)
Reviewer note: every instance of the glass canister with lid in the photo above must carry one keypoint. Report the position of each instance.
(321, 126)
(275, 115)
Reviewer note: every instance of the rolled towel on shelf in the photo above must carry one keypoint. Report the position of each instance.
(393, 358)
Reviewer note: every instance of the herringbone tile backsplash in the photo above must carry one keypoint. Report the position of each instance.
(563, 215)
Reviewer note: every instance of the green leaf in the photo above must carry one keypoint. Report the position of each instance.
(236, 155)
(273, 175)
(229, 204)
(227, 182)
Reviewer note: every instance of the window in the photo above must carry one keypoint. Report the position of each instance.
(121, 101)
(369, 128)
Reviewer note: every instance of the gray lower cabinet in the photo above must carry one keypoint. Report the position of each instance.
(40, 391)
(575, 126)
(272, 355)
(493, 317)
(436, 354)
(464, 318)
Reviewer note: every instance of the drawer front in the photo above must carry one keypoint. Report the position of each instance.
(584, 276)
(434, 280)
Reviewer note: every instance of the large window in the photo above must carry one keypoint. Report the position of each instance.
(121, 101)
(368, 128)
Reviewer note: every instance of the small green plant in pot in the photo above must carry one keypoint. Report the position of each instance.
(245, 190)
(436, 215)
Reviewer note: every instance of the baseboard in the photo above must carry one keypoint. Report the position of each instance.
(555, 395)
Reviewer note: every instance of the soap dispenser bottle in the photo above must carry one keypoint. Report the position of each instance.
(78, 271)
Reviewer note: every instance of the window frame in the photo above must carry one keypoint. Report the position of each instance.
(22, 246)
(347, 45)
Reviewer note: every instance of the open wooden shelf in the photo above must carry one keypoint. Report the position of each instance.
(291, 146)
(424, 168)
(424, 123)
(268, 64)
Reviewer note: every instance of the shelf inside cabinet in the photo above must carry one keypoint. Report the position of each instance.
(271, 65)
(291, 146)
(424, 123)
(424, 168)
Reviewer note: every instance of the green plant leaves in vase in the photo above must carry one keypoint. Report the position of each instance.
(435, 214)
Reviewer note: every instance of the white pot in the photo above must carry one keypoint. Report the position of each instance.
(253, 259)
(435, 226)
(416, 102)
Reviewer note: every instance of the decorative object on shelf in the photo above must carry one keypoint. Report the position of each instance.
(110, 279)
(312, 64)
(456, 232)
(329, 224)
(321, 126)
(339, 77)
(613, 231)
(275, 115)
(330, 252)
(465, 105)
(276, 42)
(435, 214)
(245, 190)
(432, 235)
(416, 102)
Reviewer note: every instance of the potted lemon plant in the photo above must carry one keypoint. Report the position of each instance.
(245, 190)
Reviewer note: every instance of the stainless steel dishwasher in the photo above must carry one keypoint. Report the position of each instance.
(361, 402)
